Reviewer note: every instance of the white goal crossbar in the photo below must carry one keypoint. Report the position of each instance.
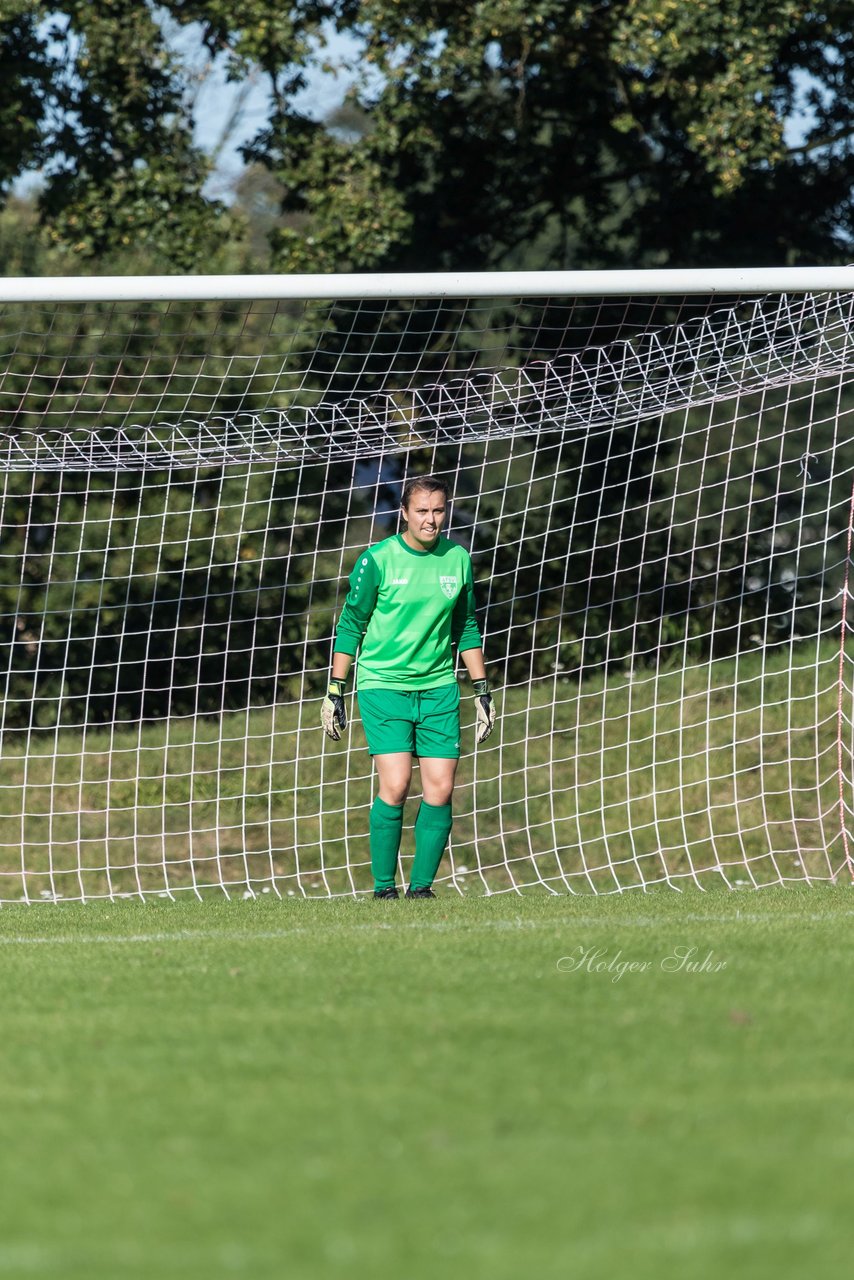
(454, 284)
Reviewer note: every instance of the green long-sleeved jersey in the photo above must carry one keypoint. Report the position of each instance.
(405, 609)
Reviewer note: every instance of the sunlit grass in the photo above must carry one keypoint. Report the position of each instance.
(471, 1088)
(616, 781)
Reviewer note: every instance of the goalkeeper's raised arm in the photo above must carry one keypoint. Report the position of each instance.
(411, 601)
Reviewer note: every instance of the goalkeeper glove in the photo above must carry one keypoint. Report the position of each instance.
(485, 710)
(333, 715)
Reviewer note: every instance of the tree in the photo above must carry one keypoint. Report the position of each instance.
(24, 88)
(92, 96)
(474, 133)
(547, 133)
(537, 133)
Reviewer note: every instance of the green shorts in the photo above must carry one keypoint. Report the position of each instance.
(426, 724)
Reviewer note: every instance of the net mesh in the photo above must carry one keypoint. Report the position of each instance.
(657, 496)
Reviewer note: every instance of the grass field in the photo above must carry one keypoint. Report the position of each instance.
(468, 1087)
(621, 779)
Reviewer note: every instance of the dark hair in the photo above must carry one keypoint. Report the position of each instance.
(432, 484)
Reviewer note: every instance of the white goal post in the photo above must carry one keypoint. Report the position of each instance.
(651, 469)
(393, 286)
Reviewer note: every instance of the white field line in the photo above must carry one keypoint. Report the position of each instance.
(430, 926)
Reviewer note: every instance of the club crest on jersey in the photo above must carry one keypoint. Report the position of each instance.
(449, 586)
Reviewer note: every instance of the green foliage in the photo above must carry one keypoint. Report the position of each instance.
(555, 133)
(145, 205)
(25, 77)
(497, 133)
(713, 67)
(140, 595)
(94, 97)
(544, 133)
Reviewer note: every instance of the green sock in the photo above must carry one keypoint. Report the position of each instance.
(432, 828)
(386, 825)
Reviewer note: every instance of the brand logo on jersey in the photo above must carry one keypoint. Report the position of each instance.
(400, 582)
(449, 586)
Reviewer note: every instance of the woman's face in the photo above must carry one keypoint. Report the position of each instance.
(425, 515)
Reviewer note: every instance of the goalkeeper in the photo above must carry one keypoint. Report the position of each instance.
(411, 599)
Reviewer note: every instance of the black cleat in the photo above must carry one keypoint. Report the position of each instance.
(419, 893)
(386, 893)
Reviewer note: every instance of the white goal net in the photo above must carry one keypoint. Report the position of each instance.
(656, 489)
